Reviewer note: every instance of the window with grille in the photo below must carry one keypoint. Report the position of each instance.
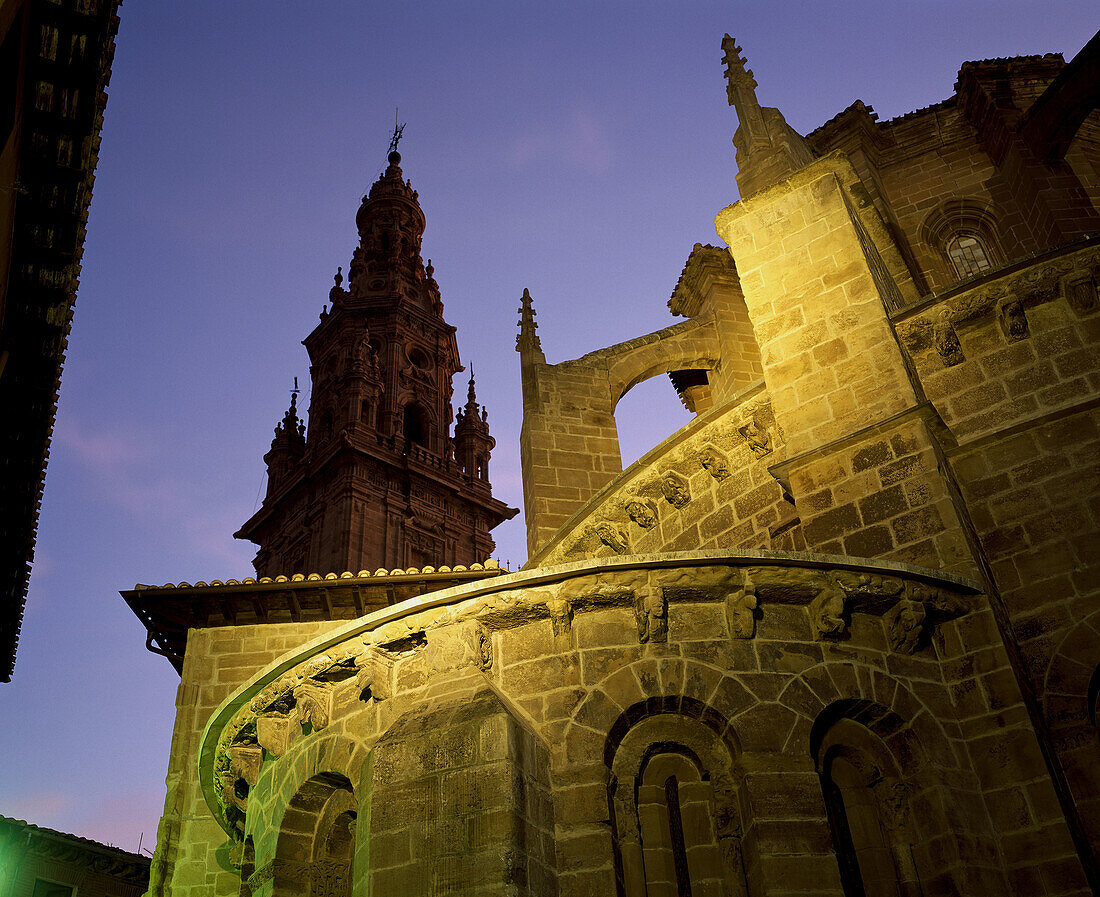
(969, 255)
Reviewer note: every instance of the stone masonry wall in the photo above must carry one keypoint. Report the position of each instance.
(831, 363)
(587, 657)
(190, 855)
(1013, 347)
(1013, 364)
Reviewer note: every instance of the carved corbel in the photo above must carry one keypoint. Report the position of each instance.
(904, 624)
(756, 434)
(1013, 320)
(675, 489)
(273, 733)
(245, 762)
(651, 612)
(739, 610)
(561, 615)
(232, 794)
(827, 612)
(483, 647)
(613, 537)
(947, 341)
(642, 512)
(714, 462)
(314, 704)
(374, 678)
(1080, 292)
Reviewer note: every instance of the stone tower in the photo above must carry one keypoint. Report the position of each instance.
(376, 480)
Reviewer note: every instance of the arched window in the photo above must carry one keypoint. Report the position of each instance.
(414, 425)
(963, 233)
(969, 255)
(675, 810)
(868, 802)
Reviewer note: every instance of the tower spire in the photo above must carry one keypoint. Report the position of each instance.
(471, 397)
(768, 149)
(528, 343)
(398, 130)
(741, 94)
(382, 365)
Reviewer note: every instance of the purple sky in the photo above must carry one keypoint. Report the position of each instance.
(576, 149)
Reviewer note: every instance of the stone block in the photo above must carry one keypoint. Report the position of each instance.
(832, 523)
(763, 727)
(871, 456)
(872, 541)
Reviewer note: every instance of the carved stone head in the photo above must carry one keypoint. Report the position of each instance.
(675, 489)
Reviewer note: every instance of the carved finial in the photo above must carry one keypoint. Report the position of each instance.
(429, 270)
(336, 294)
(741, 93)
(528, 339)
(472, 411)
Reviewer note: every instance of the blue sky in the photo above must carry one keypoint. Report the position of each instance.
(578, 150)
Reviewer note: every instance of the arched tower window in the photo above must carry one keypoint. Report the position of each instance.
(968, 254)
(414, 425)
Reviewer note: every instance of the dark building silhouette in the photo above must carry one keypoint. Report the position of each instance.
(55, 62)
(41, 862)
(376, 479)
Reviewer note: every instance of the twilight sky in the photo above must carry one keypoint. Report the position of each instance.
(577, 149)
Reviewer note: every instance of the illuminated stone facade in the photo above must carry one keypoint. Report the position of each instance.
(837, 635)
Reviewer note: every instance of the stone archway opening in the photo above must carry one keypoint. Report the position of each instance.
(315, 850)
(869, 794)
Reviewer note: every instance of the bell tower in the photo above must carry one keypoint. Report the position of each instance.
(374, 481)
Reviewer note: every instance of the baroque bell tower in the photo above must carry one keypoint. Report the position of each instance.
(376, 479)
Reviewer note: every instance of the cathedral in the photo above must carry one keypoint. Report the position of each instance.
(838, 635)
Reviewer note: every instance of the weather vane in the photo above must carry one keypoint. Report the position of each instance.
(398, 130)
(295, 391)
